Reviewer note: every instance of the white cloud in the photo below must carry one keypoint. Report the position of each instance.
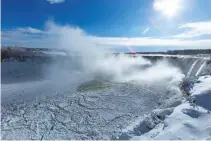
(30, 30)
(148, 41)
(30, 37)
(55, 1)
(145, 31)
(195, 29)
(53, 34)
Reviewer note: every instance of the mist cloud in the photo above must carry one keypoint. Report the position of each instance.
(94, 60)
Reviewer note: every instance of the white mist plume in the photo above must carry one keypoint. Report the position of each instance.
(76, 42)
(126, 69)
(93, 59)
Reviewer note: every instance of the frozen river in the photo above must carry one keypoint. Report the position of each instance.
(61, 113)
(51, 108)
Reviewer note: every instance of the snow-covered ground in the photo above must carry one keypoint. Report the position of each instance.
(189, 120)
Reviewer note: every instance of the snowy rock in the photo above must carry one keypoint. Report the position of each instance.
(190, 120)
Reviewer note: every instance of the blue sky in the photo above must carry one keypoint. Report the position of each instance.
(144, 25)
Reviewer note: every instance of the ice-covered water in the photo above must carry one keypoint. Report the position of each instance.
(47, 105)
(51, 108)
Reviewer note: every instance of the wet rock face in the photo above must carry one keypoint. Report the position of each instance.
(187, 84)
(208, 62)
(208, 68)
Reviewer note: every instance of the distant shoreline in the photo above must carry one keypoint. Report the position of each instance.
(20, 53)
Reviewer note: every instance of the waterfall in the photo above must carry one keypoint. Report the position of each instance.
(200, 69)
(191, 68)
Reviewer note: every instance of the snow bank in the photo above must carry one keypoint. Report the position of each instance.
(190, 120)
